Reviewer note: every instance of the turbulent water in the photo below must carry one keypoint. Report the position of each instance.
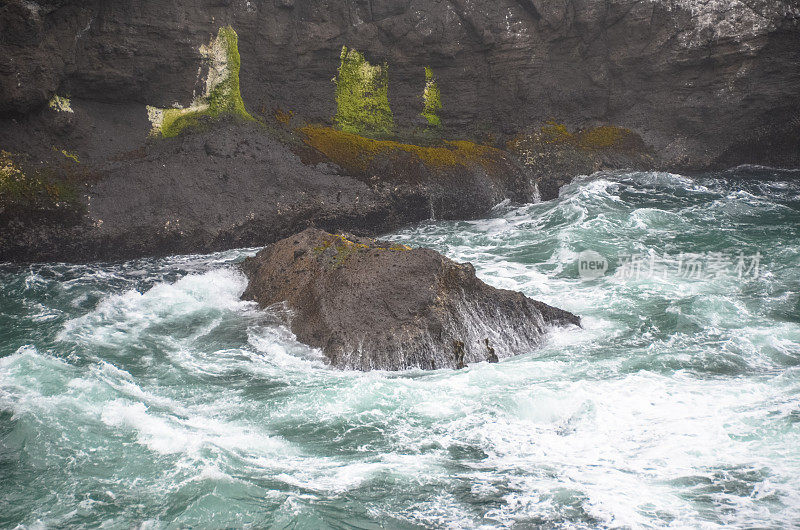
(147, 393)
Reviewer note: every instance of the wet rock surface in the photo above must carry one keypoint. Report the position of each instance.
(370, 304)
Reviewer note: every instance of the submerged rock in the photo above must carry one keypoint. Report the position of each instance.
(377, 305)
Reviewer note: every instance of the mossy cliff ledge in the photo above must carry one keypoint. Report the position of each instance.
(34, 197)
(708, 84)
(372, 305)
(458, 178)
(222, 96)
(553, 154)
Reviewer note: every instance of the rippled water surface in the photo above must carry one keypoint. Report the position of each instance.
(147, 393)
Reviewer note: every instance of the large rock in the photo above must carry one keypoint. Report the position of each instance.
(376, 305)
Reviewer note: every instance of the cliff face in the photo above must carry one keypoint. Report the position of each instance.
(94, 93)
(703, 82)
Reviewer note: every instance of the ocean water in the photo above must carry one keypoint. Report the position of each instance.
(147, 394)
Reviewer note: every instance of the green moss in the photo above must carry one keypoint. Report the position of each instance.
(226, 96)
(432, 99)
(177, 120)
(362, 96)
(356, 153)
(603, 137)
(72, 155)
(223, 94)
(18, 189)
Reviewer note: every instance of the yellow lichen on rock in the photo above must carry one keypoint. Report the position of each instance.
(60, 104)
(356, 153)
(72, 155)
(592, 139)
(602, 137)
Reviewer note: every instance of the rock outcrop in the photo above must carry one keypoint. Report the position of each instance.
(237, 186)
(377, 305)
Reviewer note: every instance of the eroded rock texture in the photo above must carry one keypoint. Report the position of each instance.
(374, 305)
(704, 82)
(548, 90)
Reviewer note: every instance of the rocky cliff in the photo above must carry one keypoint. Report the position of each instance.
(566, 86)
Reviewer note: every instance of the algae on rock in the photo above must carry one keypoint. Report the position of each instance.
(222, 95)
(356, 153)
(19, 189)
(432, 99)
(362, 96)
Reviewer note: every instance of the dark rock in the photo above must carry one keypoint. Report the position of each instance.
(232, 186)
(329, 168)
(702, 85)
(20, 23)
(376, 305)
(553, 155)
(705, 83)
(492, 356)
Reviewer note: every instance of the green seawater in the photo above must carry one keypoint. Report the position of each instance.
(147, 394)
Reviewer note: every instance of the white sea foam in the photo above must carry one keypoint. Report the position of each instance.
(166, 399)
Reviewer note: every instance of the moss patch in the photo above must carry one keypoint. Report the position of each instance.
(60, 104)
(356, 153)
(222, 95)
(71, 155)
(362, 96)
(594, 139)
(553, 132)
(344, 248)
(603, 137)
(35, 192)
(432, 100)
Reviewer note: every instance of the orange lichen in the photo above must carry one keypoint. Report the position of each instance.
(283, 116)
